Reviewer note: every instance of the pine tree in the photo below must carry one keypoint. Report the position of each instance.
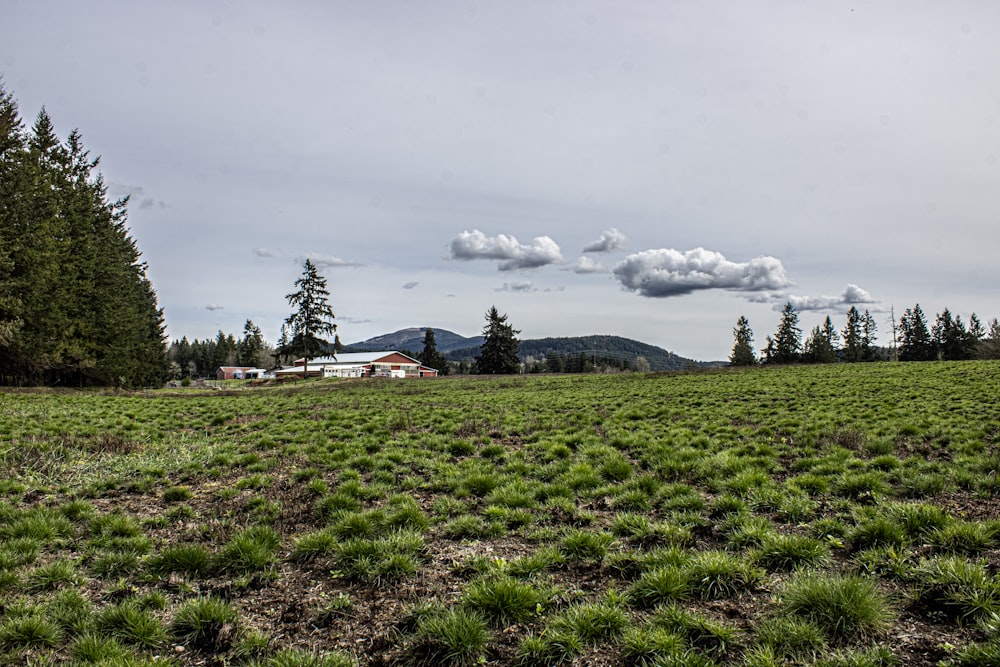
(313, 317)
(76, 307)
(821, 346)
(498, 353)
(430, 357)
(743, 353)
(989, 346)
(915, 342)
(868, 338)
(786, 346)
(854, 348)
(250, 349)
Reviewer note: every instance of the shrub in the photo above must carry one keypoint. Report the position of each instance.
(842, 606)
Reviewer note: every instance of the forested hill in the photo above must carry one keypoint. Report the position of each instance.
(599, 349)
(614, 350)
(413, 339)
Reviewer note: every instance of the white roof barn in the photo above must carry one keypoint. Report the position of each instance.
(384, 363)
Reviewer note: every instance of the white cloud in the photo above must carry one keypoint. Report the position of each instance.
(514, 255)
(587, 265)
(517, 286)
(666, 272)
(214, 306)
(328, 261)
(611, 239)
(852, 296)
(411, 284)
(263, 252)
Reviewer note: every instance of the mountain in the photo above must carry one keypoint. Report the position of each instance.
(413, 339)
(459, 348)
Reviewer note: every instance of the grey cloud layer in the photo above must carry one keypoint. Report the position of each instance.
(666, 272)
(513, 254)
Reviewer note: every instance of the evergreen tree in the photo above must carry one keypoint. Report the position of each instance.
(950, 337)
(76, 307)
(743, 354)
(989, 346)
(786, 346)
(915, 342)
(498, 353)
(821, 346)
(250, 349)
(854, 348)
(976, 335)
(430, 357)
(313, 317)
(868, 338)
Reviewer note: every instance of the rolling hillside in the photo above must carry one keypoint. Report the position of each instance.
(459, 348)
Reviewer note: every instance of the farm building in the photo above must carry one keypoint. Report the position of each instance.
(239, 373)
(362, 364)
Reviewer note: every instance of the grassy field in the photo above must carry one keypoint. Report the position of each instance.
(830, 515)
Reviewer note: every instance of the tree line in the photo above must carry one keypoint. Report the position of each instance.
(201, 358)
(76, 306)
(911, 339)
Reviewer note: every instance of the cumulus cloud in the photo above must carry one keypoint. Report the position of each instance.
(214, 306)
(513, 254)
(327, 261)
(517, 286)
(852, 296)
(411, 284)
(587, 265)
(666, 272)
(611, 239)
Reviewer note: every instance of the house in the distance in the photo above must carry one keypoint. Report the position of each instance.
(239, 373)
(389, 364)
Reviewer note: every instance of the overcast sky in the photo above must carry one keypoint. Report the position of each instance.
(649, 169)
